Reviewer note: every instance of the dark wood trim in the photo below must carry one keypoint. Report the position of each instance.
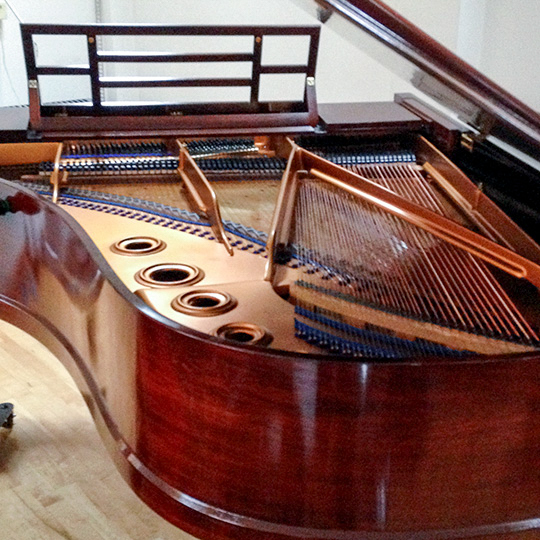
(171, 57)
(256, 68)
(161, 30)
(175, 124)
(58, 70)
(149, 132)
(131, 82)
(34, 106)
(29, 55)
(282, 69)
(91, 40)
(445, 131)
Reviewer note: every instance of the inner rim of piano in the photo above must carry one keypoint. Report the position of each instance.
(338, 275)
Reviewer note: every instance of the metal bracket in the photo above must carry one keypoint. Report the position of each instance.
(323, 14)
(58, 177)
(467, 141)
(202, 194)
(5, 207)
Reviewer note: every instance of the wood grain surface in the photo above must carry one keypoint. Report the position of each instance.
(56, 477)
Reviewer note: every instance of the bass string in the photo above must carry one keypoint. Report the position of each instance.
(492, 291)
(331, 218)
(415, 187)
(408, 181)
(425, 286)
(316, 212)
(388, 286)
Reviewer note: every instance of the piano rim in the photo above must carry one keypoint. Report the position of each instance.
(202, 519)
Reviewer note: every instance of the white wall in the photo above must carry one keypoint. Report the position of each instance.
(438, 18)
(345, 72)
(210, 12)
(501, 38)
(13, 83)
(188, 12)
(471, 31)
(511, 47)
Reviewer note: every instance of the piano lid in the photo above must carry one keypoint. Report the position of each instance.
(431, 69)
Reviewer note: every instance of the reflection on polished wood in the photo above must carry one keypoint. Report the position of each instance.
(56, 478)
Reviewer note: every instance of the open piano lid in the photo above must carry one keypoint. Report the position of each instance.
(430, 68)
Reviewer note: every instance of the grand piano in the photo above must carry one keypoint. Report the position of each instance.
(288, 319)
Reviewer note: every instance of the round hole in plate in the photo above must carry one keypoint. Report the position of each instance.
(141, 245)
(169, 275)
(138, 245)
(242, 332)
(204, 302)
(240, 336)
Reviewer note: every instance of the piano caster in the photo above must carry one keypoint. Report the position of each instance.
(6, 415)
(5, 207)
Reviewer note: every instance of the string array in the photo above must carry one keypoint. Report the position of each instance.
(360, 253)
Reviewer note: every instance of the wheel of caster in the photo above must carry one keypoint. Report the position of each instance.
(6, 415)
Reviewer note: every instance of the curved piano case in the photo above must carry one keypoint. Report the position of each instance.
(241, 442)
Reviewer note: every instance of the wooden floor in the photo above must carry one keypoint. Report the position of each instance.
(56, 478)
